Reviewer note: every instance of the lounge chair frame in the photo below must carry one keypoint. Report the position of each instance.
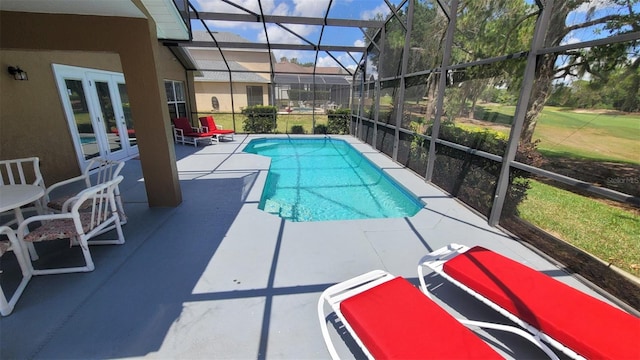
(435, 262)
(191, 134)
(337, 293)
(209, 125)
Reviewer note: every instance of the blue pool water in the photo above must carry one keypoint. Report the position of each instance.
(327, 179)
(87, 139)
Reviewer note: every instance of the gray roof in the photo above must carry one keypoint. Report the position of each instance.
(216, 71)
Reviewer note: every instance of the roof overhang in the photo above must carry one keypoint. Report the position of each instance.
(169, 22)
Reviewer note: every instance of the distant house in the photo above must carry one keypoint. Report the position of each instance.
(212, 90)
(250, 72)
(294, 84)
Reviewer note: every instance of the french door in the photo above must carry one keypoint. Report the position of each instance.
(96, 104)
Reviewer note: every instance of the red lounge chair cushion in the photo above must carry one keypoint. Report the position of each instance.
(222, 132)
(395, 320)
(209, 122)
(588, 326)
(184, 125)
(130, 132)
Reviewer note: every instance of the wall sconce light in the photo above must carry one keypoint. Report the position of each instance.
(18, 73)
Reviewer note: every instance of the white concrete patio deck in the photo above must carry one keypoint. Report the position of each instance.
(216, 278)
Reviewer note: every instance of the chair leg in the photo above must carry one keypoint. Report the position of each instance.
(87, 255)
(120, 206)
(89, 266)
(7, 306)
(118, 241)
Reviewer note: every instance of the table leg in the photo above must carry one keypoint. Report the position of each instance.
(30, 247)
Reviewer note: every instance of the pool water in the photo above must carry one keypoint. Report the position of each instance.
(327, 179)
(87, 139)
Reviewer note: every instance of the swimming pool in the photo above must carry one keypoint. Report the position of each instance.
(87, 140)
(327, 179)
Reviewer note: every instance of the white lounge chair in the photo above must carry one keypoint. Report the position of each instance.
(389, 318)
(571, 321)
(78, 223)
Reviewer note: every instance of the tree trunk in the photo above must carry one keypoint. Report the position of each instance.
(631, 101)
(539, 95)
(545, 67)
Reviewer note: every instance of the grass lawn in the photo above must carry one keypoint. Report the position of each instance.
(610, 233)
(589, 135)
(285, 122)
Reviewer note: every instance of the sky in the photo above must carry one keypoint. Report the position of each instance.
(348, 9)
(340, 9)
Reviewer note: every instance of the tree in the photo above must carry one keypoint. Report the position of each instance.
(597, 61)
(489, 28)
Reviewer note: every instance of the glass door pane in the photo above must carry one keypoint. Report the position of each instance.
(109, 121)
(126, 110)
(82, 117)
(96, 105)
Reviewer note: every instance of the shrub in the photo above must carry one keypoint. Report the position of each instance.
(473, 178)
(297, 129)
(320, 129)
(260, 119)
(338, 121)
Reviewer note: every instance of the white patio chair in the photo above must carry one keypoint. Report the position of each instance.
(23, 171)
(84, 216)
(98, 171)
(7, 305)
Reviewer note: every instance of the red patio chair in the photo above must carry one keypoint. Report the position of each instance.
(210, 125)
(185, 133)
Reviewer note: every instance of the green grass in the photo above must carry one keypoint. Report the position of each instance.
(285, 122)
(590, 135)
(499, 114)
(610, 233)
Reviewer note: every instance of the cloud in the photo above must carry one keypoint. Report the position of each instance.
(278, 35)
(268, 6)
(596, 4)
(570, 40)
(371, 14)
(311, 8)
(359, 43)
(344, 59)
(326, 61)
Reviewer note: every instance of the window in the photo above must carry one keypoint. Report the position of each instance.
(254, 95)
(176, 98)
